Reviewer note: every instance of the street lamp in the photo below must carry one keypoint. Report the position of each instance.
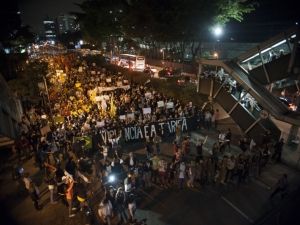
(163, 53)
(217, 30)
(216, 55)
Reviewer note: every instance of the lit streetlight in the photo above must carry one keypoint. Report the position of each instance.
(217, 30)
(216, 55)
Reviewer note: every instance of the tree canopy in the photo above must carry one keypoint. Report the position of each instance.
(163, 20)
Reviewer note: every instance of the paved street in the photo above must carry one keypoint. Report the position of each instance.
(205, 205)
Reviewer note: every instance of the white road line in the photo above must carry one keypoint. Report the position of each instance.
(237, 209)
(262, 184)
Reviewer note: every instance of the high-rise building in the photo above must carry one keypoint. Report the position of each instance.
(67, 24)
(50, 29)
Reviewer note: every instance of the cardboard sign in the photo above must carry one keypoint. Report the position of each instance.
(93, 72)
(108, 80)
(160, 104)
(147, 110)
(100, 124)
(170, 105)
(148, 95)
(130, 116)
(122, 117)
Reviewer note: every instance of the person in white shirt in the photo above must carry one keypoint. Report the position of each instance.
(182, 168)
(27, 181)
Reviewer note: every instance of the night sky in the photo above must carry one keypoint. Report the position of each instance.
(34, 11)
(271, 17)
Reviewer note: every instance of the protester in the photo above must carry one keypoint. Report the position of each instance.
(281, 187)
(96, 105)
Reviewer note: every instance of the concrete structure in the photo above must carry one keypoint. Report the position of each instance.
(10, 114)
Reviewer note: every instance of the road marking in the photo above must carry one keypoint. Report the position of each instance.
(262, 184)
(237, 209)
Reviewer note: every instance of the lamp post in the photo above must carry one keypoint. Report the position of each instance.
(217, 32)
(163, 53)
(47, 92)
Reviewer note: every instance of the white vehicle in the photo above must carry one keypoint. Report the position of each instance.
(133, 62)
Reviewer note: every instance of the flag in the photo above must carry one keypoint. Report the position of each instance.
(113, 108)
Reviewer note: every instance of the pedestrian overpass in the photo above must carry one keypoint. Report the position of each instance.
(252, 71)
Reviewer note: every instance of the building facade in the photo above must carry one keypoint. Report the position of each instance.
(67, 24)
(50, 29)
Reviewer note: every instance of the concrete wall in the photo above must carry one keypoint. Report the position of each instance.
(10, 111)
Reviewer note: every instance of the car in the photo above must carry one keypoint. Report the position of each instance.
(150, 71)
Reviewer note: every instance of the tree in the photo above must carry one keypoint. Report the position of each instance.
(101, 20)
(180, 22)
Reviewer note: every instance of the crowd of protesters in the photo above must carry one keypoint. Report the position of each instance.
(94, 98)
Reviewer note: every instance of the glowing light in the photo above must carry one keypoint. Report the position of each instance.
(218, 31)
(216, 55)
(111, 178)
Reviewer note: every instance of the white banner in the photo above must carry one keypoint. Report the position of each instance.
(101, 89)
(170, 105)
(146, 110)
(160, 104)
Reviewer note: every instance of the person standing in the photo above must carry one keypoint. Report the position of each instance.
(215, 117)
(157, 141)
(155, 165)
(281, 186)
(278, 150)
(105, 211)
(181, 177)
(207, 119)
(162, 167)
(35, 198)
(69, 195)
(131, 206)
(120, 201)
(51, 186)
(228, 137)
(191, 174)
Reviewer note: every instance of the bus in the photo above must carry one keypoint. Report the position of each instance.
(133, 62)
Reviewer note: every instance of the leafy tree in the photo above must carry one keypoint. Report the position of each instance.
(101, 20)
(176, 23)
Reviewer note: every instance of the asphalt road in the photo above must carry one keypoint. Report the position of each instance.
(208, 205)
